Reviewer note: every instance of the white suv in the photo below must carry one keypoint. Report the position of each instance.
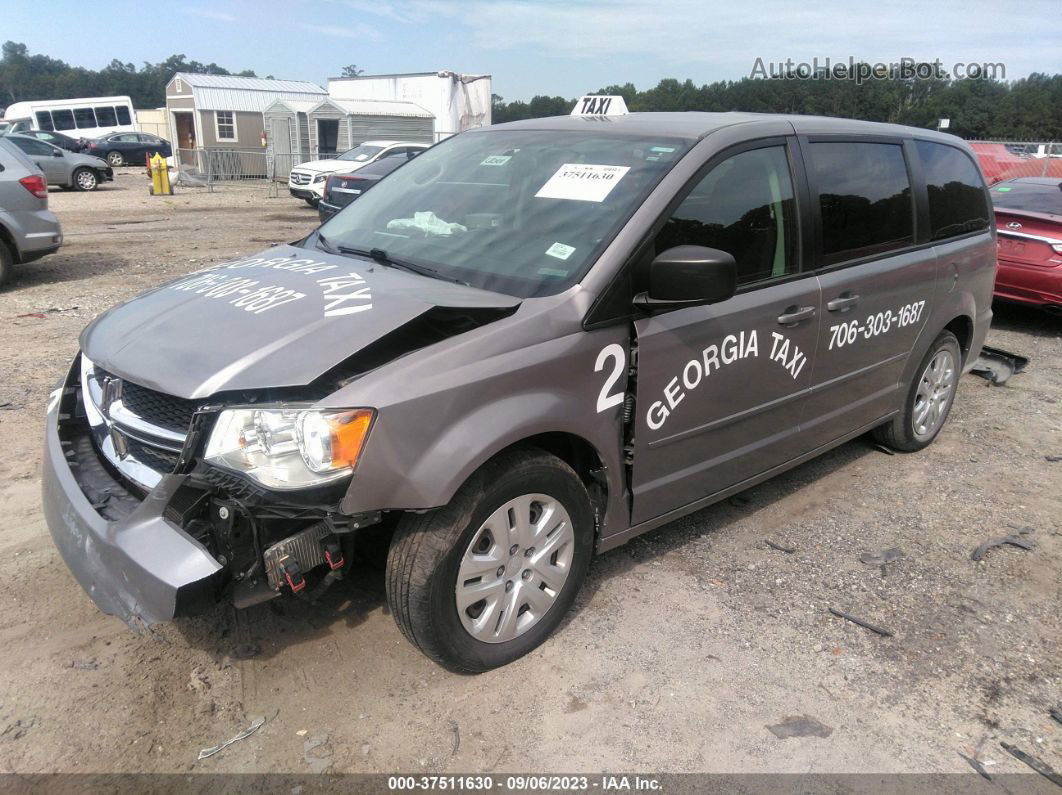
(307, 182)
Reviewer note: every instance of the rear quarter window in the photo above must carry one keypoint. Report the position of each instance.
(864, 199)
(956, 191)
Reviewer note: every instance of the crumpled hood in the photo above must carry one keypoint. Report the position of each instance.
(279, 318)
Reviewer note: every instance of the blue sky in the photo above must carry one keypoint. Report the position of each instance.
(565, 47)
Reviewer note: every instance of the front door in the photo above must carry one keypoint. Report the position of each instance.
(721, 389)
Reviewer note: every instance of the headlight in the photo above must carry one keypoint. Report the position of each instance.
(320, 178)
(290, 448)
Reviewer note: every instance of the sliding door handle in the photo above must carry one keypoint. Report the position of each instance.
(842, 303)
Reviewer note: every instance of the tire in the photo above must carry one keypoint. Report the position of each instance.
(312, 202)
(116, 159)
(424, 563)
(935, 383)
(85, 179)
(7, 264)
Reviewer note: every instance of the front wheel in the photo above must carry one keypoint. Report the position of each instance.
(116, 159)
(486, 579)
(85, 179)
(928, 400)
(312, 202)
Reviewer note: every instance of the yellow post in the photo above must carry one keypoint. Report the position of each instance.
(160, 177)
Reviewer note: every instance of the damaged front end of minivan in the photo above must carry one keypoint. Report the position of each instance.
(166, 499)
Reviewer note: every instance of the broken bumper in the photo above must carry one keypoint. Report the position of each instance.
(140, 567)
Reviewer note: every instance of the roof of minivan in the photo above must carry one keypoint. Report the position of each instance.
(695, 124)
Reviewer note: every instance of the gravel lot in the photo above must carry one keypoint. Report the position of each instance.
(686, 648)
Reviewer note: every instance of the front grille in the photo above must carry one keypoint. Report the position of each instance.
(162, 461)
(298, 178)
(158, 408)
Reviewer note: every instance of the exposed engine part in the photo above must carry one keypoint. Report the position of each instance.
(304, 549)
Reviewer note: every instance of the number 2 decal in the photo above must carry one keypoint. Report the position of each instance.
(616, 352)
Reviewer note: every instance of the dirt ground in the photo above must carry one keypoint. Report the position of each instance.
(687, 647)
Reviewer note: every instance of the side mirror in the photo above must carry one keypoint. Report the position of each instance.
(57, 153)
(689, 276)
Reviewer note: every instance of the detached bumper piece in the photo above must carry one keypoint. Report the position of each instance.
(131, 560)
(997, 365)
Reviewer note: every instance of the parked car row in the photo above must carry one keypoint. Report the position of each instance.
(307, 181)
(118, 149)
(61, 167)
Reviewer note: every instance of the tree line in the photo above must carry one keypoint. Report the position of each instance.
(1029, 109)
(1026, 109)
(25, 77)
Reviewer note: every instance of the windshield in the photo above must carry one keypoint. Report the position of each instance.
(360, 153)
(521, 212)
(1033, 197)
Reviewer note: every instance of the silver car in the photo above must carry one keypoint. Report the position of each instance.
(63, 168)
(28, 230)
(531, 343)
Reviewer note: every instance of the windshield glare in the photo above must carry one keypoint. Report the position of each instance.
(521, 212)
(360, 153)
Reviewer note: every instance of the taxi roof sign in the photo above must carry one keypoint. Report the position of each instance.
(599, 105)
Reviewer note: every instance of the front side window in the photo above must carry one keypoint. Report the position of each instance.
(105, 116)
(864, 199)
(85, 118)
(520, 212)
(44, 120)
(956, 191)
(226, 125)
(745, 207)
(33, 147)
(63, 119)
(122, 112)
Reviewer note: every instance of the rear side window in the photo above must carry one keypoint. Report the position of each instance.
(864, 199)
(956, 191)
(743, 206)
(105, 116)
(44, 120)
(123, 114)
(63, 119)
(85, 118)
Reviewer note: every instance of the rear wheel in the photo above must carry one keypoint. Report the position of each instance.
(85, 179)
(116, 159)
(486, 579)
(929, 398)
(7, 263)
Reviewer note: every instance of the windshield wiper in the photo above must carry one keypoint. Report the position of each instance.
(323, 244)
(382, 257)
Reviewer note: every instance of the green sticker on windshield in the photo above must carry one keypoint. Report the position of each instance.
(1002, 190)
(496, 160)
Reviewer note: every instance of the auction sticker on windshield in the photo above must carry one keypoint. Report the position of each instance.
(582, 182)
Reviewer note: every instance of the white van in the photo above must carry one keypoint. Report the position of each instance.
(88, 117)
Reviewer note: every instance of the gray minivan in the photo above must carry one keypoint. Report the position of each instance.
(531, 343)
(28, 229)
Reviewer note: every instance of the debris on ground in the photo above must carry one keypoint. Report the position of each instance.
(85, 665)
(881, 558)
(799, 726)
(997, 366)
(317, 753)
(256, 724)
(780, 547)
(1038, 765)
(54, 310)
(866, 624)
(975, 763)
(1053, 459)
(1014, 539)
(457, 737)
(17, 730)
(884, 449)
(1056, 713)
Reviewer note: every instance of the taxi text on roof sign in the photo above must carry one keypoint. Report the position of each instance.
(593, 105)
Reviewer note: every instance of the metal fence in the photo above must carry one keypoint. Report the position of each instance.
(206, 167)
(1001, 160)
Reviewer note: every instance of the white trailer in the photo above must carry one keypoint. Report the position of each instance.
(458, 102)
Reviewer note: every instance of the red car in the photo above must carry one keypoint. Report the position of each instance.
(1029, 226)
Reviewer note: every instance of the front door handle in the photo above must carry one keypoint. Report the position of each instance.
(796, 314)
(842, 303)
